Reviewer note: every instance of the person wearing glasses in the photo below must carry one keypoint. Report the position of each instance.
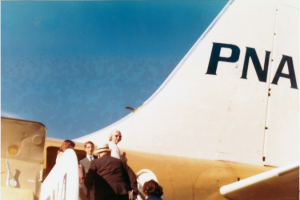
(114, 138)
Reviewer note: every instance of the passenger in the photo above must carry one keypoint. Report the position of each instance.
(67, 144)
(114, 138)
(110, 175)
(152, 190)
(85, 165)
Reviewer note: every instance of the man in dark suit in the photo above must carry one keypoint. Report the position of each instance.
(85, 165)
(113, 178)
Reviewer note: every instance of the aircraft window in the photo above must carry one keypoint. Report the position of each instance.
(13, 150)
(37, 140)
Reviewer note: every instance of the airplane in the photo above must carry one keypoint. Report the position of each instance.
(223, 125)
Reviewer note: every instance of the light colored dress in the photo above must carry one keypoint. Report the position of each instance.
(58, 156)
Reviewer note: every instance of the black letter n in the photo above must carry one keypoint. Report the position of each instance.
(262, 74)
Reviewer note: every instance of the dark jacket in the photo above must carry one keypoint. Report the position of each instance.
(111, 176)
(85, 166)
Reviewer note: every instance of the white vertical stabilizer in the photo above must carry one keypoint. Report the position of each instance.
(233, 97)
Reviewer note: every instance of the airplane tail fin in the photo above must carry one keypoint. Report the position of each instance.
(233, 97)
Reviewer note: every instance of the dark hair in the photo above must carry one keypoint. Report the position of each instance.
(151, 188)
(88, 142)
(66, 145)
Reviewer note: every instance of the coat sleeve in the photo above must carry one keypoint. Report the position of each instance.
(132, 178)
(90, 176)
(82, 168)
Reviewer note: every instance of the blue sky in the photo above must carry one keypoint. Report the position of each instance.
(75, 65)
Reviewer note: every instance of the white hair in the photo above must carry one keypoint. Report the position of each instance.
(111, 133)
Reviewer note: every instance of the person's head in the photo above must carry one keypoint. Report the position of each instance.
(115, 136)
(151, 188)
(102, 150)
(89, 147)
(67, 144)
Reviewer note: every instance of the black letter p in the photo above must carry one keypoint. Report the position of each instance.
(215, 56)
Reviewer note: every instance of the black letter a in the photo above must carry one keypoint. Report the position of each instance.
(291, 75)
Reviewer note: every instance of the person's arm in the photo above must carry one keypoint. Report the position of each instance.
(80, 174)
(133, 180)
(82, 169)
(123, 157)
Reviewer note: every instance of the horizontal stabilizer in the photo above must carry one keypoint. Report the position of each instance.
(280, 183)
